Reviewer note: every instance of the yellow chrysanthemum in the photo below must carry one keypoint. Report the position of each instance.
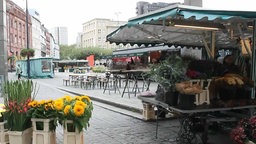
(67, 109)
(78, 102)
(58, 105)
(32, 103)
(78, 110)
(48, 106)
(85, 98)
(2, 109)
(77, 98)
(68, 98)
(48, 101)
(42, 102)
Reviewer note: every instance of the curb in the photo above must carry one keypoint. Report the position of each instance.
(132, 109)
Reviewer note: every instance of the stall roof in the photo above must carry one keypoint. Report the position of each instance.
(140, 50)
(159, 27)
(71, 61)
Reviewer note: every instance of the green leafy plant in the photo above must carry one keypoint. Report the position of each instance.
(169, 72)
(17, 96)
(27, 52)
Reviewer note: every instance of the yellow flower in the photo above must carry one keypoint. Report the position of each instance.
(67, 109)
(78, 110)
(85, 98)
(41, 102)
(68, 98)
(58, 105)
(81, 103)
(32, 103)
(2, 109)
(77, 97)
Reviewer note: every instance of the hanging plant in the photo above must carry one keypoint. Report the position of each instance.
(27, 52)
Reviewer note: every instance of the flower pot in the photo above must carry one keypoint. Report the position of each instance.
(171, 98)
(20, 137)
(4, 139)
(41, 131)
(186, 101)
(71, 134)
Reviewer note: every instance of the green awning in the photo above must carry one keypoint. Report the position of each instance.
(186, 12)
(157, 27)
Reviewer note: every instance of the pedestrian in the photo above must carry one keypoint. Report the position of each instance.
(19, 71)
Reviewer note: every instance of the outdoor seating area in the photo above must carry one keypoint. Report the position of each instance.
(117, 81)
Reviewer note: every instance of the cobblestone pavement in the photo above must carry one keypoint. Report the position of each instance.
(108, 125)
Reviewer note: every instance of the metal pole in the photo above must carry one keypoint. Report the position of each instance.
(28, 63)
(253, 71)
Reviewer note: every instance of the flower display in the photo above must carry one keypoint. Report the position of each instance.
(245, 132)
(19, 94)
(77, 108)
(2, 110)
(43, 109)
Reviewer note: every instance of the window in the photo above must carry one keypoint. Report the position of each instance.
(46, 66)
(99, 31)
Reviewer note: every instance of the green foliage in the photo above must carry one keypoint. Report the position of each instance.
(169, 72)
(27, 52)
(71, 52)
(17, 96)
(99, 69)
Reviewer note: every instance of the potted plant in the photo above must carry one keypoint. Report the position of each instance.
(27, 52)
(244, 132)
(17, 96)
(167, 73)
(44, 121)
(74, 115)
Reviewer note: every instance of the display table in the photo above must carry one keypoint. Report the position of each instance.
(189, 119)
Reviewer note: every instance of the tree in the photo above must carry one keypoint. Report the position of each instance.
(72, 52)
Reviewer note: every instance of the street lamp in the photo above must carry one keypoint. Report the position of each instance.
(28, 63)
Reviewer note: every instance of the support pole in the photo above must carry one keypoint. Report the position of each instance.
(3, 46)
(253, 74)
(28, 62)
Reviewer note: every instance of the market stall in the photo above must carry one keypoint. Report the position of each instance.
(211, 30)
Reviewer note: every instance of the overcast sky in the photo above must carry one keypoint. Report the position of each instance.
(73, 13)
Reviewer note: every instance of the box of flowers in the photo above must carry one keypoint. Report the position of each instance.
(74, 114)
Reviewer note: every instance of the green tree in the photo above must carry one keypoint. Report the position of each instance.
(72, 52)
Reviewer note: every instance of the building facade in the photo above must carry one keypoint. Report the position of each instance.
(95, 32)
(39, 36)
(146, 7)
(36, 33)
(198, 3)
(16, 29)
(60, 35)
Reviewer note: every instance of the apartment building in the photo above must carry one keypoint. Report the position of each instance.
(36, 32)
(16, 29)
(198, 3)
(60, 35)
(146, 7)
(95, 31)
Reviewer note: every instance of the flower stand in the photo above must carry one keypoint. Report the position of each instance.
(43, 135)
(70, 136)
(4, 139)
(148, 111)
(20, 137)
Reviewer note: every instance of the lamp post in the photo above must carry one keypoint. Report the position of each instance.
(28, 62)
